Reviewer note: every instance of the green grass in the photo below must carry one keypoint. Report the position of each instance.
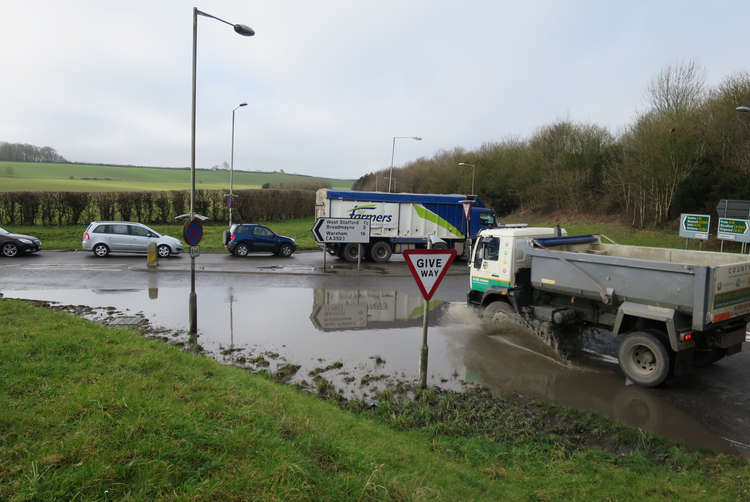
(95, 413)
(69, 237)
(49, 177)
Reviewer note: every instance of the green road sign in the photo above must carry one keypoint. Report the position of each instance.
(694, 226)
(731, 229)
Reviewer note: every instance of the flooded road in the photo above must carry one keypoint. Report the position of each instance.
(361, 333)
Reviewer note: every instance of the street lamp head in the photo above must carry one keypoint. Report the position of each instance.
(243, 104)
(244, 30)
(745, 109)
(464, 164)
(416, 138)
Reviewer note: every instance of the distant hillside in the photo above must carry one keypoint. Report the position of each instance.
(44, 176)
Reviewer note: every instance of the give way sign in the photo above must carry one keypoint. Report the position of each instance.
(428, 266)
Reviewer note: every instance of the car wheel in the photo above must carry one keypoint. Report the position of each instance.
(644, 359)
(286, 250)
(101, 250)
(163, 251)
(241, 250)
(381, 252)
(10, 250)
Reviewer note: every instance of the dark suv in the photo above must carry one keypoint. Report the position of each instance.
(247, 238)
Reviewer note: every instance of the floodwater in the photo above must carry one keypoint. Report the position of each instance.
(361, 340)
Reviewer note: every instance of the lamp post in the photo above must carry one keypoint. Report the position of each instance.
(245, 31)
(231, 167)
(473, 166)
(393, 151)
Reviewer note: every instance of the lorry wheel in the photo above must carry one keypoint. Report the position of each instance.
(644, 359)
(381, 252)
(350, 252)
(496, 315)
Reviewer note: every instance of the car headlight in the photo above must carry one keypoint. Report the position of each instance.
(26, 241)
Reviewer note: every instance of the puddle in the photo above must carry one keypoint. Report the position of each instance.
(362, 340)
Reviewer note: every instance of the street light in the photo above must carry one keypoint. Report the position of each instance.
(473, 166)
(393, 151)
(745, 109)
(231, 166)
(245, 31)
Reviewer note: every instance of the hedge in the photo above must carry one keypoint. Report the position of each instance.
(157, 207)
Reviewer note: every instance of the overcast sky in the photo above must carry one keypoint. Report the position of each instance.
(329, 83)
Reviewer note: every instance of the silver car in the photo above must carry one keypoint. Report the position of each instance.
(104, 237)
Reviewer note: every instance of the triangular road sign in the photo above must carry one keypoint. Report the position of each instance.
(428, 266)
(467, 207)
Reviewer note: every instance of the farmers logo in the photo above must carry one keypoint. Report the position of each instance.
(359, 213)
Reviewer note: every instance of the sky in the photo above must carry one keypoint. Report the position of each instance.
(328, 84)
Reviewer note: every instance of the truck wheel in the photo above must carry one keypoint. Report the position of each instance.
(644, 359)
(350, 252)
(381, 252)
(497, 315)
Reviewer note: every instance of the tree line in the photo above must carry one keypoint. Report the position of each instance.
(23, 152)
(155, 207)
(687, 150)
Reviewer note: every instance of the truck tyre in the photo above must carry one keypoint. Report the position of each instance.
(496, 315)
(381, 252)
(644, 359)
(350, 252)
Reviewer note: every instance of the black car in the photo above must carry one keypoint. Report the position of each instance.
(250, 238)
(15, 244)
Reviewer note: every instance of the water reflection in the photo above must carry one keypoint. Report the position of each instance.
(349, 309)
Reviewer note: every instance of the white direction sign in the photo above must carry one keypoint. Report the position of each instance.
(341, 230)
(428, 266)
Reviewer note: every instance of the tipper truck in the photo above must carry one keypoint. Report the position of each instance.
(401, 221)
(670, 310)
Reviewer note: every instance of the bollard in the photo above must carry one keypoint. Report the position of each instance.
(151, 257)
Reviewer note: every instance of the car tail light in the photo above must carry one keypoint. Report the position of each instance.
(231, 237)
(85, 236)
(686, 337)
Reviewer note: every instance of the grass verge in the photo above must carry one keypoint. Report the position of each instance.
(96, 413)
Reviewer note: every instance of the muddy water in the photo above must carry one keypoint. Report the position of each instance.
(362, 340)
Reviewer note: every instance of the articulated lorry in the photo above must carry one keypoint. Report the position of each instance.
(401, 221)
(671, 310)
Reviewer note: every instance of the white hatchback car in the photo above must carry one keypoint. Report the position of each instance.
(104, 237)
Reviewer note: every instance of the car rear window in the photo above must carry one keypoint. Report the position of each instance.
(102, 229)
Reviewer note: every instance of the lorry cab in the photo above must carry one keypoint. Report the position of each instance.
(497, 258)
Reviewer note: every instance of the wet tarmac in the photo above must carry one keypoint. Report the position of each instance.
(363, 333)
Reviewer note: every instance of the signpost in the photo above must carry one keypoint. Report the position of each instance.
(466, 204)
(428, 266)
(694, 226)
(731, 229)
(341, 230)
(340, 316)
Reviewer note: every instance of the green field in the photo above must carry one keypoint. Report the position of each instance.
(49, 177)
(96, 413)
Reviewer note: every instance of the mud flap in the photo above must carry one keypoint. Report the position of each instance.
(683, 362)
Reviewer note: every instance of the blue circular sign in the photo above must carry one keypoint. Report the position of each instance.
(193, 231)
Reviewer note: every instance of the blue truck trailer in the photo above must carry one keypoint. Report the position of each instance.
(401, 221)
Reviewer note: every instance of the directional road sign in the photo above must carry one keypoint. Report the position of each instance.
(428, 266)
(341, 230)
(193, 231)
(694, 226)
(731, 229)
(337, 316)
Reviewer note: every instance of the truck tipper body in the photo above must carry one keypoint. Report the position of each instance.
(672, 309)
(401, 221)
